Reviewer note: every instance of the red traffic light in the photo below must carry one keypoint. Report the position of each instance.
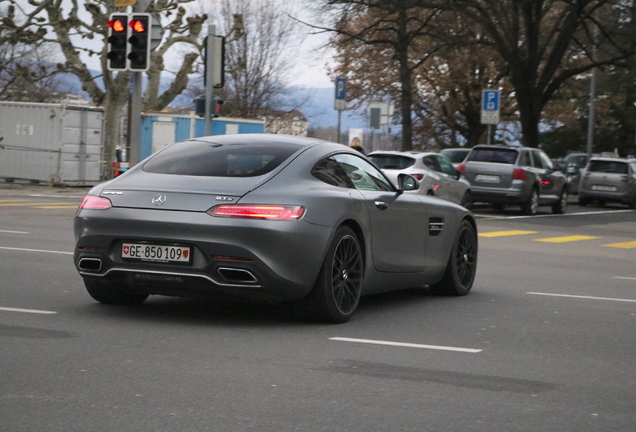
(137, 26)
(117, 25)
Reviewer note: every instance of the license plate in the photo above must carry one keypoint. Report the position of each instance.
(604, 188)
(487, 178)
(156, 253)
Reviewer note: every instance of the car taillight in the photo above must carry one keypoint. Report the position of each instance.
(519, 174)
(418, 176)
(91, 202)
(271, 212)
(462, 169)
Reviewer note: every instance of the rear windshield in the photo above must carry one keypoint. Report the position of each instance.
(578, 160)
(199, 158)
(613, 167)
(455, 156)
(496, 155)
(396, 162)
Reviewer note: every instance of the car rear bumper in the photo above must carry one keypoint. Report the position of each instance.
(512, 195)
(622, 197)
(263, 260)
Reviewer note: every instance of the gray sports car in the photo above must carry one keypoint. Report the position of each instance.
(271, 218)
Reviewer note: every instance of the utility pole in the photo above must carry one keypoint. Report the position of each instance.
(209, 78)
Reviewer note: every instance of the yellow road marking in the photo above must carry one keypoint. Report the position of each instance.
(566, 239)
(32, 203)
(622, 245)
(505, 233)
(56, 207)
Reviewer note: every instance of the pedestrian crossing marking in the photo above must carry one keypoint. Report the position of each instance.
(566, 239)
(505, 233)
(622, 245)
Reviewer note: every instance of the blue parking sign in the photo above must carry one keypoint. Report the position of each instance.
(341, 94)
(490, 100)
(490, 107)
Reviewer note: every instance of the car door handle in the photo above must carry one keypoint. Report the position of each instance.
(381, 205)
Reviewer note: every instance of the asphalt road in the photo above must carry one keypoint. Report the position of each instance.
(544, 342)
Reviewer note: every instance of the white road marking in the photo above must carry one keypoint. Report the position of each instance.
(404, 344)
(36, 250)
(583, 297)
(34, 311)
(14, 232)
(625, 278)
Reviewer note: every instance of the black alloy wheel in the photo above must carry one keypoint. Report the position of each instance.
(336, 294)
(462, 264)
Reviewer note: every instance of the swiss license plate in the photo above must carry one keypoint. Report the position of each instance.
(604, 188)
(487, 178)
(156, 253)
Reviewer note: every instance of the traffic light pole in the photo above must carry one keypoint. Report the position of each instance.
(209, 78)
(134, 119)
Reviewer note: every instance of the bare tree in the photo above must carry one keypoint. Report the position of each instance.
(546, 42)
(68, 26)
(392, 28)
(262, 41)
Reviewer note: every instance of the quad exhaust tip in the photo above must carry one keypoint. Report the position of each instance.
(90, 264)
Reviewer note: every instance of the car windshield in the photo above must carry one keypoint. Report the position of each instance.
(613, 167)
(495, 155)
(200, 158)
(389, 161)
(455, 156)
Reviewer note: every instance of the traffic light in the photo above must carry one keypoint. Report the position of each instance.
(139, 42)
(117, 42)
(216, 108)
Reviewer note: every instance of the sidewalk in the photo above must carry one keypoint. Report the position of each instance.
(25, 188)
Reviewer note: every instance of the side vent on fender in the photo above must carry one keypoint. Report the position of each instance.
(435, 226)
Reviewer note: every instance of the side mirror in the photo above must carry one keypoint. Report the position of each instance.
(407, 182)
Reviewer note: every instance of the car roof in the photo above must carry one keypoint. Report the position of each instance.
(258, 138)
(401, 153)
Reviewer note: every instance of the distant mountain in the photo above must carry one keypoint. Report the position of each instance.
(315, 103)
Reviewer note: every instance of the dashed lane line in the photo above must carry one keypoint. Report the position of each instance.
(405, 344)
(35, 250)
(33, 311)
(505, 233)
(583, 297)
(622, 245)
(566, 239)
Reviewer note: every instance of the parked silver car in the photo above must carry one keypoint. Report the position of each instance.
(609, 180)
(434, 172)
(515, 175)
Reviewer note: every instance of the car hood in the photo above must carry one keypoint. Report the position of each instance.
(175, 192)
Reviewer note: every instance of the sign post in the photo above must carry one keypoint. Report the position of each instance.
(339, 102)
(490, 101)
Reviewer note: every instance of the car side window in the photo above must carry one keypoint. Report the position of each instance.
(446, 166)
(547, 163)
(431, 163)
(524, 160)
(331, 172)
(536, 158)
(362, 174)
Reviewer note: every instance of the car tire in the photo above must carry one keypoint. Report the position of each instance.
(462, 263)
(106, 294)
(531, 206)
(559, 206)
(467, 201)
(337, 291)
